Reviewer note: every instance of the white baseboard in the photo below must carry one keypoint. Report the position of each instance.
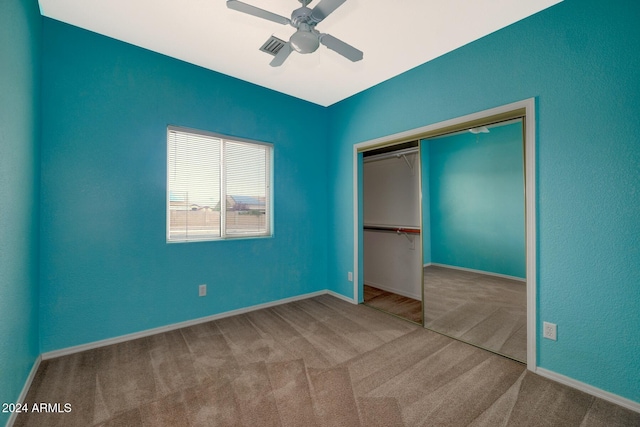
(342, 297)
(471, 270)
(594, 391)
(393, 290)
(25, 390)
(161, 329)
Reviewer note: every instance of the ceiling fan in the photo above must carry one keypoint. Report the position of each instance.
(306, 39)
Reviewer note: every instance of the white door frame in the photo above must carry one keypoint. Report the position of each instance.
(530, 201)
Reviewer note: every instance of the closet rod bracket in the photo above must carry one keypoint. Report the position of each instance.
(405, 234)
(404, 156)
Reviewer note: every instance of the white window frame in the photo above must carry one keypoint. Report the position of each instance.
(268, 232)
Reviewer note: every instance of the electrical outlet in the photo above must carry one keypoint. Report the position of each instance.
(549, 331)
(202, 290)
(350, 276)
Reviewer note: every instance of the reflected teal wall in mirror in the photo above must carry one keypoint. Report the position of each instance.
(473, 201)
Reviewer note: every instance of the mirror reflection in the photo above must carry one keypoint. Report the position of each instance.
(473, 237)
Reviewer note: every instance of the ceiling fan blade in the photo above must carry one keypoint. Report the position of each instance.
(256, 11)
(341, 47)
(282, 55)
(324, 8)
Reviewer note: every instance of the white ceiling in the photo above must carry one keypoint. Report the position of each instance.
(395, 36)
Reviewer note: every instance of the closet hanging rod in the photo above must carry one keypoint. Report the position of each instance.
(391, 229)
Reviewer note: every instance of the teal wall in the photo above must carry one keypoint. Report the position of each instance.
(20, 29)
(106, 268)
(475, 211)
(580, 61)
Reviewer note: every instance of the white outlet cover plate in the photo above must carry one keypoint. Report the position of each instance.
(549, 330)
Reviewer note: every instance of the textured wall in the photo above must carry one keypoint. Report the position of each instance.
(20, 26)
(477, 200)
(105, 108)
(579, 60)
(106, 268)
(392, 191)
(391, 196)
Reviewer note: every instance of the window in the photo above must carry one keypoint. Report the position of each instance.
(217, 187)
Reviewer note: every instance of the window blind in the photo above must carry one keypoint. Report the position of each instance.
(216, 187)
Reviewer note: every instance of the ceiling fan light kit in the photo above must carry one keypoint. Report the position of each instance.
(306, 39)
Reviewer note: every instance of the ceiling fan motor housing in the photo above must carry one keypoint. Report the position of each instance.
(301, 16)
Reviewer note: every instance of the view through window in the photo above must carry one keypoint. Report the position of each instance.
(217, 187)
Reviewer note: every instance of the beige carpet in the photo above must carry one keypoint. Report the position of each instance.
(481, 309)
(317, 362)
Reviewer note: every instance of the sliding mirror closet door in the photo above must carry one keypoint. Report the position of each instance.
(474, 258)
(392, 255)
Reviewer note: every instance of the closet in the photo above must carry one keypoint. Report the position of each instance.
(446, 228)
(392, 249)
